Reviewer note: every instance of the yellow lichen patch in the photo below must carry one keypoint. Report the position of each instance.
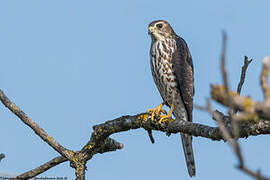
(89, 146)
(248, 104)
(232, 93)
(166, 120)
(143, 117)
(77, 170)
(99, 130)
(253, 117)
(71, 152)
(267, 93)
(218, 94)
(265, 72)
(74, 159)
(110, 129)
(248, 117)
(171, 120)
(15, 108)
(50, 138)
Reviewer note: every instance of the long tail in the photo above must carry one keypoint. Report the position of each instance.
(188, 150)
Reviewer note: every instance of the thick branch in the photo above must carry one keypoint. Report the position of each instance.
(126, 123)
(100, 143)
(80, 170)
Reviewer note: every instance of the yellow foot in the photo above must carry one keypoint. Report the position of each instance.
(166, 118)
(156, 111)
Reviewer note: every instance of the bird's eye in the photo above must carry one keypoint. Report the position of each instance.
(159, 26)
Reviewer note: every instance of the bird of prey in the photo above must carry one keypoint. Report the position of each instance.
(172, 70)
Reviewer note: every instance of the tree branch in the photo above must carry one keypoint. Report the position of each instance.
(264, 79)
(101, 143)
(236, 148)
(109, 145)
(105, 146)
(34, 126)
(44, 167)
(243, 74)
(255, 109)
(233, 142)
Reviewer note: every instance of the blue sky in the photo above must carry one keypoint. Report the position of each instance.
(70, 65)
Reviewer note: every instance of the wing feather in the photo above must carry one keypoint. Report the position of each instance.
(183, 70)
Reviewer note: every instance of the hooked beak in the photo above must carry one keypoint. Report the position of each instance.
(150, 30)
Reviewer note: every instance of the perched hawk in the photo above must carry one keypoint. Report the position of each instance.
(172, 70)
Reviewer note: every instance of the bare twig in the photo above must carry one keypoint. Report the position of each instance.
(151, 136)
(109, 145)
(236, 148)
(34, 126)
(227, 135)
(231, 111)
(66, 154)
(256, 175)
(42, 168)
(100, 141)
(101, 132)
(223, 61)
(243, 74)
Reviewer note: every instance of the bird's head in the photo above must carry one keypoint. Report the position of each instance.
(160, 30)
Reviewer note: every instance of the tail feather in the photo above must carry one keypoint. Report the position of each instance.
(188, 150)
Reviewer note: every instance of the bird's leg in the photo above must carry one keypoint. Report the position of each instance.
(157, 110)
(164, 117)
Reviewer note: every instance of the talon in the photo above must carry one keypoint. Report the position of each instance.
(163, 111)
(164, 118)
(156, 111)
(152, 111)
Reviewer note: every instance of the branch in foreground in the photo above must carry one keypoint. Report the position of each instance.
(236, 148)
(233, 142)
(255, 109)
(264, 79)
